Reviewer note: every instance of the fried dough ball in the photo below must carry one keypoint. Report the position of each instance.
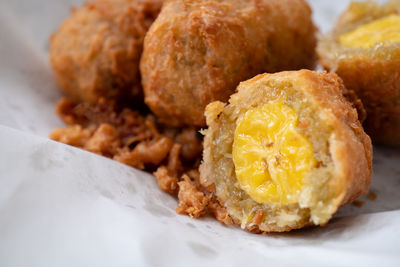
(198, 51)
(364, 50)
(286, 151)
(96, 51)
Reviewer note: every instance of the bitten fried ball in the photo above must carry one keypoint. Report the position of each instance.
(96, 51)
(198, 51)
(286, 151)
(364, 50)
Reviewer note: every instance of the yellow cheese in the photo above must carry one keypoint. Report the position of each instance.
(385, 30)
(270, 156)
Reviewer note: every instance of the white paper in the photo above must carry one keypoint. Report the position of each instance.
(62, 206)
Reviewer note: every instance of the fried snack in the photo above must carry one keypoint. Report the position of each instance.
(96, 51)
(364, 50)
(173, 155)
(131, 138)
(285, 152)
(198, 51)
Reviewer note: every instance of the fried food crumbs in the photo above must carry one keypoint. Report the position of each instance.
(191, 144)
(192, 201)
(104, 141)
(126, 135)
(258, 217)
(352, 97)
(220, 212)
(166, 181)
(135, 138)
(358, 203)
(146, 152)
(74, 135)
(371, 196)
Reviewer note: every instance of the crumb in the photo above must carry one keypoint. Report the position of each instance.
(73, 135)
(358, 203)
(194, 174)
(166, 181)
(255, 229)
(134, 137)
(258, 217)
(192, 201)
(104, 140)
(64, 109)
(220, 212)
(174, 163)
(371, 196)
(127, 136)
(304, 123)
(191, 145)
(146, 152)
(352, 97)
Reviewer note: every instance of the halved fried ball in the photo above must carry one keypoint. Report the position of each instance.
(96, 51)
(364, 50)
(198, 51)
(286, 151)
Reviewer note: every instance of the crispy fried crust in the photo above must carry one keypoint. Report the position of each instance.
(96, 51)
(374, 74)
(131, 138)
(198, 51)
(135, 139)
(342, 149)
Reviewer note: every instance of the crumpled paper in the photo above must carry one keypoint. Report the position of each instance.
(62, 206)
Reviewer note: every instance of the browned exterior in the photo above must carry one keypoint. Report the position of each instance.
(350, 147)
(96, 51)
(198, 51)
(374, 74)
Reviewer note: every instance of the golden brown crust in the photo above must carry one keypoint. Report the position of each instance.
(198, 51)
(96, 51)
(374, 74)
(352, 144)
(349, 150)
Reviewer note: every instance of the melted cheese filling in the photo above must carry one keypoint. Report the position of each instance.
(270, 156)
(385, 30)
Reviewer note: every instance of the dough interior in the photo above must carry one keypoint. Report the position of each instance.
(271, 157)
(385, 30)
